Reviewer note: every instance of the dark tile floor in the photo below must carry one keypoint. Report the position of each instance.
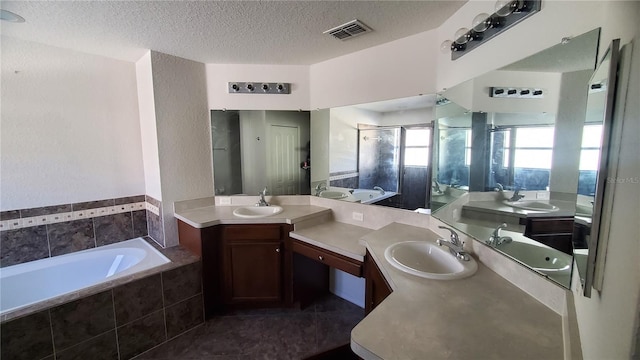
(266, 334)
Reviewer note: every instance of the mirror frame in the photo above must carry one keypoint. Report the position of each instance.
(597, 248)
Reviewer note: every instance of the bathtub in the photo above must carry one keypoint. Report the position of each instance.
(366, 196)
(29, 283)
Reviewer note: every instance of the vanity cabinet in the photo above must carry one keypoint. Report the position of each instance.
(376, 286)
(555, 232)
(252, 264)
(243, 266)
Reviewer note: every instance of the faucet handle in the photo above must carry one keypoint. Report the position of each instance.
(455, 239)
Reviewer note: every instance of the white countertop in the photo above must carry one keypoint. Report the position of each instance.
(335, 236)
(480, 317)
(215, 215)
(565, 208)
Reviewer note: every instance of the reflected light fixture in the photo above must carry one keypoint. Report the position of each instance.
(484, 26)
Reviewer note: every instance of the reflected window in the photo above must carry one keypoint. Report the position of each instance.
(589, 159)
(417, 147)
(522, 156)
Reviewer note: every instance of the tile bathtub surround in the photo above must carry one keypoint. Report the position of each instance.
(154, 220)
(118, 323)
(37, 233)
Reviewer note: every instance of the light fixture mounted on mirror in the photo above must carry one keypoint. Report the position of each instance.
(484, 26)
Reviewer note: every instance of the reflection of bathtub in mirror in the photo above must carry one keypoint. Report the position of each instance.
(364, 196)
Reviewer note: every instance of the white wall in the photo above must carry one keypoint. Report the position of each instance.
(402, 68)
(219, 75)
(184, 134)
(319, 146)
(408, 117)
(70, 130)
(148, 129)
(343, 138)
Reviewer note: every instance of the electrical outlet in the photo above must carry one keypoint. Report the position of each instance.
(358, 216)
(225, 201)
(542, 195)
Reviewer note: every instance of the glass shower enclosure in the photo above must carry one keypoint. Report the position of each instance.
(380, 158)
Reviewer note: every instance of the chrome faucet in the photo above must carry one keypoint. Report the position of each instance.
(456, 247)
(436, 187)
(499, 187)
(379, 189)
(495, 239)
(320, 188)
(262, 201)
(516, 196)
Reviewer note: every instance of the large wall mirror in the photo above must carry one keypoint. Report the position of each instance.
(507, 155)
(376, 153)
(254, 149)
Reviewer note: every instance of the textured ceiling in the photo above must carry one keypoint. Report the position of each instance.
(238, 32)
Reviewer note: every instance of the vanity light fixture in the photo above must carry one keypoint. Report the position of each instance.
(258, 88)
(9, 16)
(484, 26)
(516, 93)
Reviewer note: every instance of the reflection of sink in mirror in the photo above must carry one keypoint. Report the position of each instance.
(539, 257)
(531, 205)
(330, 194)
(257, 211)
(428, 260)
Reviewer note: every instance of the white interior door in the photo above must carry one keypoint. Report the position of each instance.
(284, 158)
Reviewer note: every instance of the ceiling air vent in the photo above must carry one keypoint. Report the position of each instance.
(346, 31)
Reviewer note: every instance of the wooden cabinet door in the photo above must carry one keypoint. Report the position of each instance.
(376, 287)
(252, 271)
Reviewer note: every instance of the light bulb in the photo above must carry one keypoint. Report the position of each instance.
(461, 36)
(481, 22)
(505, 7)
(445, 47)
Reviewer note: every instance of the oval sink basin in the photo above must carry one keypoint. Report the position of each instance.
(257, 211)
(328, 194)
(428, 260)
(531, 205)
(544, 259)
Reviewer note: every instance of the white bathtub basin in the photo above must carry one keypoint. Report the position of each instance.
(330, 194)
(428, 260)
(28, 283)
(531, 205)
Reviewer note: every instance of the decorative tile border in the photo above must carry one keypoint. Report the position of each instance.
(37, 233)
(23, 218)
(343, 175)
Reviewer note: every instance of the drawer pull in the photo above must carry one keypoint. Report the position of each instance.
(278, 250)
(320, 257)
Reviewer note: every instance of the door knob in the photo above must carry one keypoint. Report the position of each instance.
(278, 250)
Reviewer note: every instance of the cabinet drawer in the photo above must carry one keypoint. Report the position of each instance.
(351, 266)
(550, 226)
(251, 232)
